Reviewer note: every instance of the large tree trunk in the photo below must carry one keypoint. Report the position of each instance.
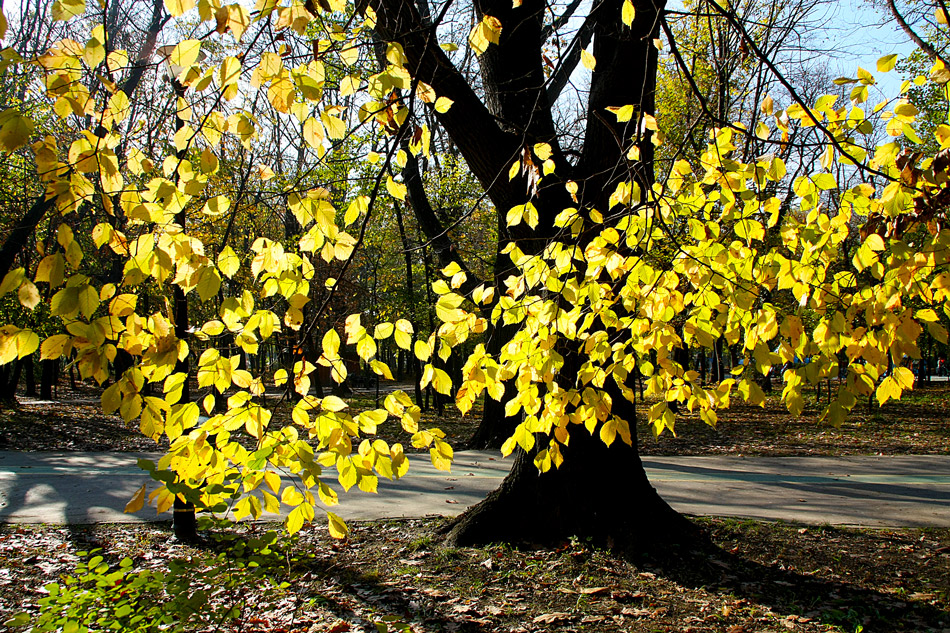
(600, 492)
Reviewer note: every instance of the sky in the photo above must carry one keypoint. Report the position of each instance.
(863, 33)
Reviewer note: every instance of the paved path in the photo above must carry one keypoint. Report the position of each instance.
(871, 491)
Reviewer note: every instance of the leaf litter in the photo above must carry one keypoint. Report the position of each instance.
(765, 577)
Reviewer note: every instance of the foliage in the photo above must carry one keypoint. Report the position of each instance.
(848, 272)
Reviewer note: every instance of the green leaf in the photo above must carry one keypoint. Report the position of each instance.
(20, 619)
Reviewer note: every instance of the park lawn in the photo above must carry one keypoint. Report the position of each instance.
(764, 577)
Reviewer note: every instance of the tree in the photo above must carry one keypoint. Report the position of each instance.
(604, 269)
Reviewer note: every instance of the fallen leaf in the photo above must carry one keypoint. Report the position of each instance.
(551, 618)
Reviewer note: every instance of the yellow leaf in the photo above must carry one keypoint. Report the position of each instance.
(623, 113)
(185, 55)
(515, 215)
(403, 333)
(15, 129)
(358, 207)
(422, 351)
(543, 150)
(29, 295)
(53, 346)
(137, 502)
(905, 377)
(26, 342)
(887, 63)
(338, 528)
(588, 60)
(333, 403)
(237, 20)
(875, 242)
(229, 71)
(331, 344)
(486, 32)
(218, 205)
(313, 132)
(177, 7)
(294, 521)
(123, 305)
(396, 189)
(336, 128)
(938, 332)
(442, 105)
(67, 9)
(271, 503)
(228, 262)
(12, 280)
(627, 13)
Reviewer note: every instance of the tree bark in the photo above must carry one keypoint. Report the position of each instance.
(600, 492)
(48, 377)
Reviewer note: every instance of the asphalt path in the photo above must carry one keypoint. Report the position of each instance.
(899, 491)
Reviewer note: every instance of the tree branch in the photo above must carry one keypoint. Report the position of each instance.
(569, 61)
(487, 149)
(437, 234)
(920, 42)
(560, 21)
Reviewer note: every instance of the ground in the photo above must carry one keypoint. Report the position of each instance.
(764, 577)
(769, 577)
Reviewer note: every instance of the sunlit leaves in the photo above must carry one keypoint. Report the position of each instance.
(886, 63)
(396, 189)
(335, 126)
(588, 60)
(178, 7)
(627, 13)
(16, 343)
(722, 254)
(338, 529)
(184, 55)
(228, 262)
(443, 104)
(486, 32)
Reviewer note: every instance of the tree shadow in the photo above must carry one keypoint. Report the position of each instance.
(705, 564)
(405, 604)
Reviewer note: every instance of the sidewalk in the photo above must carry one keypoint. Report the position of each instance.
(907, 491)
